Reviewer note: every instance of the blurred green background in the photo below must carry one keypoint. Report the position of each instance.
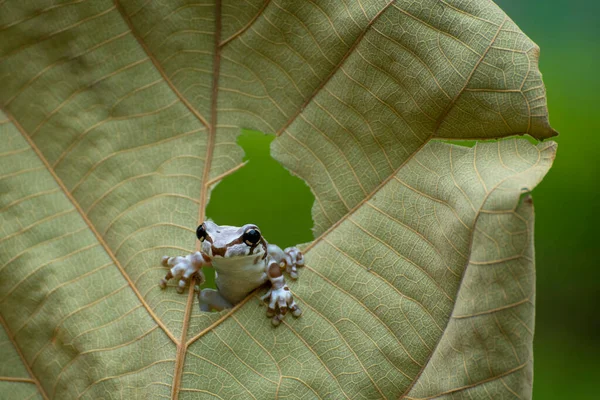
(567, 340)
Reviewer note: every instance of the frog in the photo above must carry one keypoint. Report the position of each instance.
(243, 261)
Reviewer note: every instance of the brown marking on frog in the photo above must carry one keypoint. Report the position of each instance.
(274, 270)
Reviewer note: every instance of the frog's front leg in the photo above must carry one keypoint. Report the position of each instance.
(184, 268)
(292, 258)
(279, 295)
(211, 299)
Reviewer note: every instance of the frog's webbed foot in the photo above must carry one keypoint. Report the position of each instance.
(212, 299)
(280, 302)
(293, 259)
(280, 297)
(183, 268)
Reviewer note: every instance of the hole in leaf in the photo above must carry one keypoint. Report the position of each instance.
(264, 193)
(472, 143)
(463, 143)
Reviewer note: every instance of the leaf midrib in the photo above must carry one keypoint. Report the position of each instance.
(181, 343)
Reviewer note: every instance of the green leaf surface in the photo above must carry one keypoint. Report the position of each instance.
(119, 117)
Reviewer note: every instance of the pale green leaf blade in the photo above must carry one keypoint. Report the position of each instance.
(486, 348)
(418, 70)
(66, 305)
(131, 109)
(14, 377)
(12, 365)
(119, 137)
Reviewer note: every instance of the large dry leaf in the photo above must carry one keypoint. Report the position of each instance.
(119, 117)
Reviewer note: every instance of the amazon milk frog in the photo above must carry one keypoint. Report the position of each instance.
(243, 261)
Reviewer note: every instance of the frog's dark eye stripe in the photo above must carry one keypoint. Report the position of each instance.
(201, 233)
(251, 237)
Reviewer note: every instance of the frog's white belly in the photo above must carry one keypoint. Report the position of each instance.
(236, 277)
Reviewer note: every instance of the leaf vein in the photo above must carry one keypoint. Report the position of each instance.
(157, 65)
(23, 359)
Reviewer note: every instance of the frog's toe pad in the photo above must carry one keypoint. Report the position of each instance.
(296, 311)
(293, 259)
(280, 305)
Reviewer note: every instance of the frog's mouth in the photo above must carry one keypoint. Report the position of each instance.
(238, 250)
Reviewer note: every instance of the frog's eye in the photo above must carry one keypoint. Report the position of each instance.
(251, 237)
(201, 233)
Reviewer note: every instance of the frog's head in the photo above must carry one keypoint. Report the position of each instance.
(231, 241)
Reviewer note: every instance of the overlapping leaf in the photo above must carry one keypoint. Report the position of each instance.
(119, 117)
